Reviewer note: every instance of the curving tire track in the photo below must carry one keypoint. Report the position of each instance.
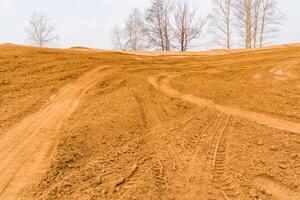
(161, 83)
(211, 151)
(26, 149)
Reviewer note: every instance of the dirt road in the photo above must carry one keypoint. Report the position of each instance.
(26, 149)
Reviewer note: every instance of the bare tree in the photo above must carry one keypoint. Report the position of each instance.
(118, 38)
(257, 20)
(271, 19)
(40, 32)
(135, 31)
(221, 22)
(243, 14)
(187, 25)
(132, 36)
(158, 24)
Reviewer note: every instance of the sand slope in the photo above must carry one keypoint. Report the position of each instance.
(79, 124)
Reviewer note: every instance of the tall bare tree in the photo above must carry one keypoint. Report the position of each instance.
(243, 14)
(187, 25)
(257, 20)
(221, 22)
(158, 24)
(40, 32)
(135, 31)
(118, 38)
(132, 36)
(271, 20)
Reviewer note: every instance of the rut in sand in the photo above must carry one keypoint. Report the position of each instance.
(162, 84)
(25, 150)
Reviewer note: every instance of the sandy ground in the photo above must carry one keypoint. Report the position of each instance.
(80, 124)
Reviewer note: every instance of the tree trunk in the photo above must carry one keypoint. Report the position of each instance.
(263, 24)
(228, 24)
(248, 23)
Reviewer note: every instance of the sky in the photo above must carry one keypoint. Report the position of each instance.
(89, 22)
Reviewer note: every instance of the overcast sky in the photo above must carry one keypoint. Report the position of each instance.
(89, 22)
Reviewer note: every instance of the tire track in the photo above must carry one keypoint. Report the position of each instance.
(213, 156)
(152, 114)
(184, 123)
(224, 184)
(211, 151)
(162, 83)
(25, 149)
